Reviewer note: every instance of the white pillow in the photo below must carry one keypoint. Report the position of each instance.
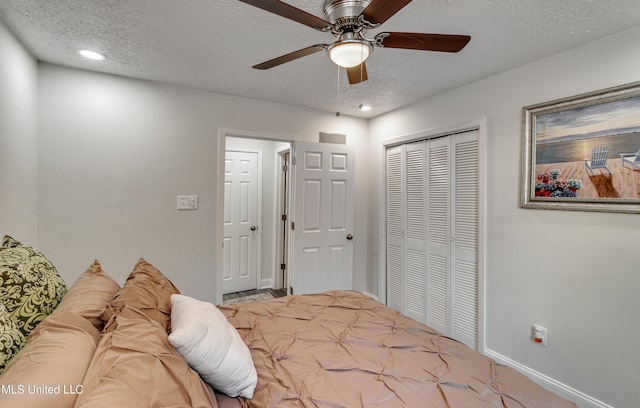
(212, 346)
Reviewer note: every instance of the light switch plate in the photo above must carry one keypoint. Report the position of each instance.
(187, 202)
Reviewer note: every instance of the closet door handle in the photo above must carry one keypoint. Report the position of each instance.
(349, 237)
(253, 228)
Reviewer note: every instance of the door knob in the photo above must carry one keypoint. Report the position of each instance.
(253, 228)
(349, 236)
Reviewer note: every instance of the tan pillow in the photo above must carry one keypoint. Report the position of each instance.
(147, 290)
(89, 294)
(136, 366)
(225, 401)
(49, 370)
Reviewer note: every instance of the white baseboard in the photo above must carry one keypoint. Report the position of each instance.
(371, 295)
(583, 400)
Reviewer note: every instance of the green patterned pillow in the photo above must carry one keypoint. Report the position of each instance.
(11, 338)
(30, 286)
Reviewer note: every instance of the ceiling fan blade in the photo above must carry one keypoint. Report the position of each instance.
(379, 11)
(425, 42)
(357, 74)
(291, 56)
(287, 11)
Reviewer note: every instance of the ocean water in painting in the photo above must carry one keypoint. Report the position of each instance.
(580, 149)
(570, 135)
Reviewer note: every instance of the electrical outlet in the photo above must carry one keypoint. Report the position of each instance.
(539, 335)
(187, 202)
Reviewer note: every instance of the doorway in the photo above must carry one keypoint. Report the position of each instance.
(319, 203)
(255, 194)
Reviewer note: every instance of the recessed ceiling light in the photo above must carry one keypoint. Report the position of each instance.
(93, 55)
(364, 108)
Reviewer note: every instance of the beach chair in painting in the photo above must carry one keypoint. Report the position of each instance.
(598, 160)
(631, 158)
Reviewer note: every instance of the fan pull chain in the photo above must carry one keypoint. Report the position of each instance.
(361, 64)
(361, 74)
(338, 95)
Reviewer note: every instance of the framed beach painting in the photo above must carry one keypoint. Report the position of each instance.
(583, 152)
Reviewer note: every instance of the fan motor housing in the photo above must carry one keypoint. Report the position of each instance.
(337, 10)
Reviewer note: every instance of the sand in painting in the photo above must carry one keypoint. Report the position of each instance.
(621, 183)
(569, 155)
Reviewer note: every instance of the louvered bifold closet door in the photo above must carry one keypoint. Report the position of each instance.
(395, 227)
(432, 233)
(438, 250)
(464, 227)
(415, 234)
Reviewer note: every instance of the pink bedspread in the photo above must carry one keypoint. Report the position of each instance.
(344, 349)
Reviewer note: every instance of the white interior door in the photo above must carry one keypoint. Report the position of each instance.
(241, 229)
(396, 210)
(323, 217)
(465, 221)
(406, 229)
(415, 230)
(452, 277)
(438, 246)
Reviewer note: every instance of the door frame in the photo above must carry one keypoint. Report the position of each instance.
(283, 244)
(218, 188)
(481, 126)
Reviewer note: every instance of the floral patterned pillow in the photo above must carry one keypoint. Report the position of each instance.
(30, 286)
(11, 338)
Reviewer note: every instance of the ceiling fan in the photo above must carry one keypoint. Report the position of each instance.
(349, 21)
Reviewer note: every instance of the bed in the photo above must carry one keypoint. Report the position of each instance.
(344, 349)
(101, 345)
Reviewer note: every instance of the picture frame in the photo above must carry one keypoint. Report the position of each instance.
(582, 153)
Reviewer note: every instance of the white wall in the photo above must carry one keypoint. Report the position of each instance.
(115, 153)
(574, 272)
(18, 140)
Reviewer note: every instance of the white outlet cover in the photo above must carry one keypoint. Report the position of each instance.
(540, 332)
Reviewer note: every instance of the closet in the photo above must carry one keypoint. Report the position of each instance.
(432, 224)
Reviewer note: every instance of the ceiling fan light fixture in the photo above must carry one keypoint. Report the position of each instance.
(349, 54)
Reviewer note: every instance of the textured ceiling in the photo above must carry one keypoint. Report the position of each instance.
(212, 44)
